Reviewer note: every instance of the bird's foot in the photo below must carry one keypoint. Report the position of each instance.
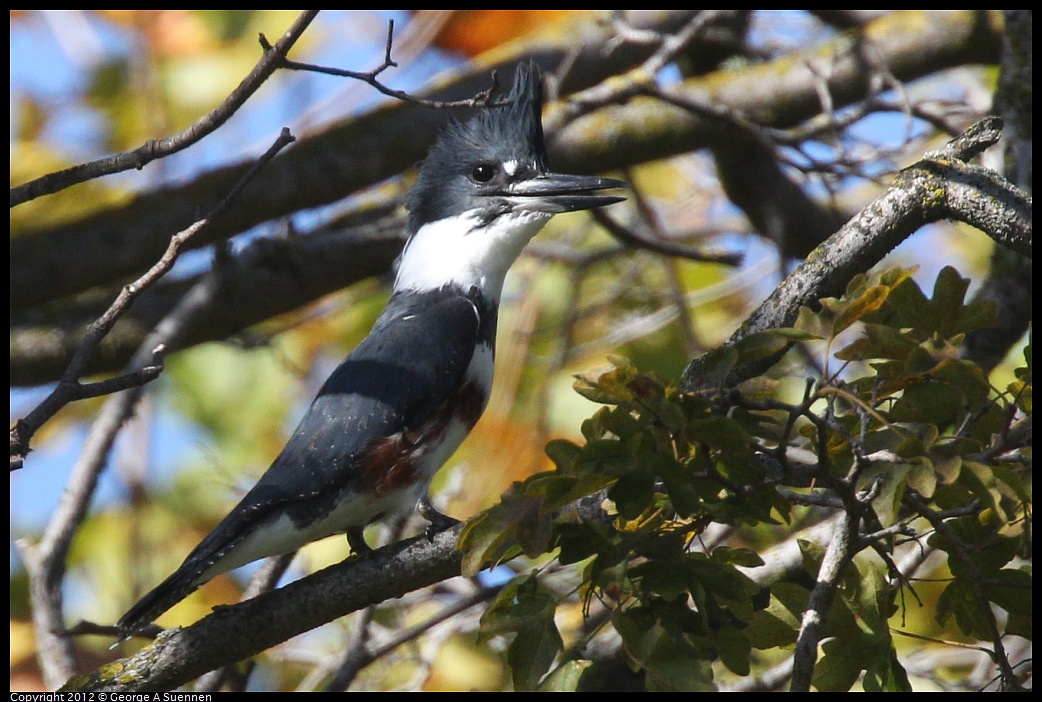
(438, 522)
(356, 540)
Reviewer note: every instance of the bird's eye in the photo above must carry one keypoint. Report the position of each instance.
(483, 172)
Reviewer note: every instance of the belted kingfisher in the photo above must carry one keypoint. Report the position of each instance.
(402, 402)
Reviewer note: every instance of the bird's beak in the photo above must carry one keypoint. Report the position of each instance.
(555, 193)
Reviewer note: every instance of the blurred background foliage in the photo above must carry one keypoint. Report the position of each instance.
(88, 83)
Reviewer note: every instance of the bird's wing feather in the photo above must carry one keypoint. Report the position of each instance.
(394, 380)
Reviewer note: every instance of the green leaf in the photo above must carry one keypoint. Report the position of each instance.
(875, 602)
(950, 390)
(621, 422)
(884, 673)
(948, 470)
(533, 652)
(582, 540)
(678, 481)
(1019, 625)
(714, 365)
(722, 433)
(593, 427)
(814, 323)
(608, 388)
(1021, 391)
(923, 478)
(958, 600)
(949, 290)
(1011, 590)
(988, 551)
(928, 403)
(719, 577)
(1009, 480)
(670, 664)
(907, 307)
(920, 361)
(842, 661)
(869, 301)
(488, 537)
(887, 503)
(776, 626)
(879, 341)
(744, 557)
(527, 609)
(764, 344)
(557, 489)
(563, 453)
(734, 649)
(607, 457)
(944, 314)
(566, 677)
(952, 317)
(661, 579)
(632, 493)
(966, 377)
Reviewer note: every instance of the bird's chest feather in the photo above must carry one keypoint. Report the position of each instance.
(407, 460)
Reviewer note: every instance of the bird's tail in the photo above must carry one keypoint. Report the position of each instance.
(198, 568)
(175, 588)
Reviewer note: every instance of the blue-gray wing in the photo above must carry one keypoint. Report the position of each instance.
(396, 379)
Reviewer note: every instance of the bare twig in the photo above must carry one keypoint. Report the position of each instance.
(263, 280)
(641, 131)
(662, 246)
(45, 561)
(636, 81)
(356, 654)
(158, 148)
(974, 581)
(979, 137)
(358, 657)
(69, 388)
(180, 655)
(482, 99)
(840, 550)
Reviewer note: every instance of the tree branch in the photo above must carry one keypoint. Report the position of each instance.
(239, 631)
(841, 548)
(665, 247)
(483, 98)
(69, 388)
(159, 148)
(637, 79)
(266, 278)
(352, 155)
(45, 561)
(928, 191)
(975, 581)
(234, 633)
(906, 44)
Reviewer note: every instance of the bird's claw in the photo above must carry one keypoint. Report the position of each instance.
(438, 522)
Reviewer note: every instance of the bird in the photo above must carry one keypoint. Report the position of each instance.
(396, 409)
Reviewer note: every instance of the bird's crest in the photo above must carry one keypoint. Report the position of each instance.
(497, 134)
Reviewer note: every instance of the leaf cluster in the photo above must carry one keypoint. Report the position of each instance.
(906, 437)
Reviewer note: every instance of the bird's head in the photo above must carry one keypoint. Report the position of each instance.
(486, 189)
